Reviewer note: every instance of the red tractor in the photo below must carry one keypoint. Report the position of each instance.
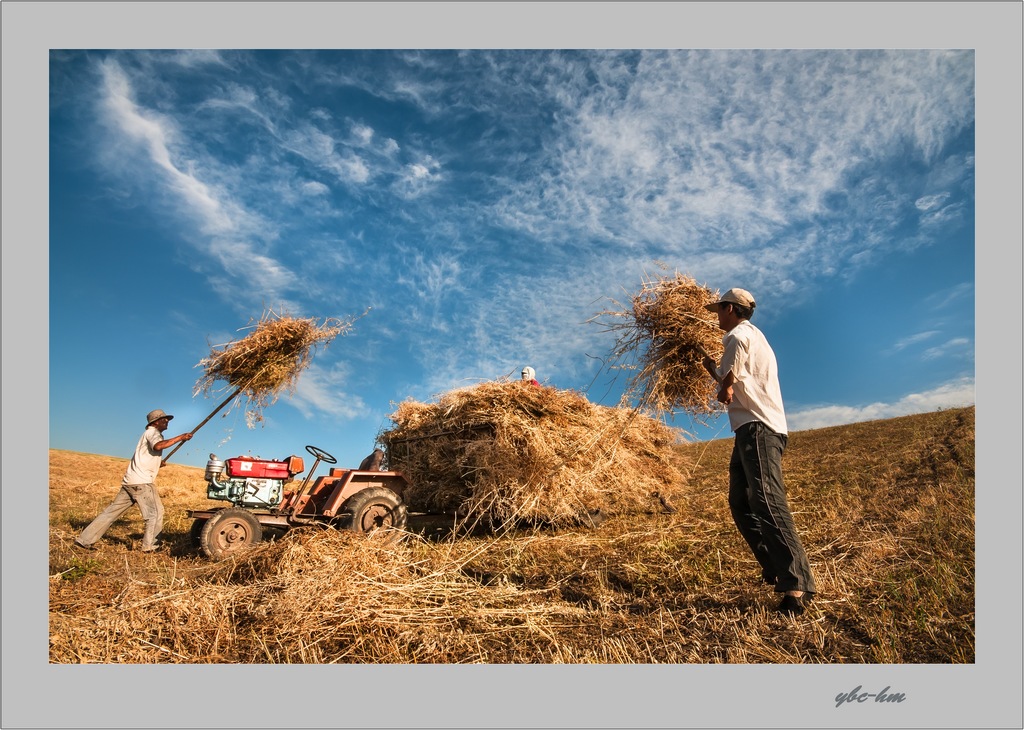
(264, 506)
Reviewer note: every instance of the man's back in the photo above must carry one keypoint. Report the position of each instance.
(757, 395)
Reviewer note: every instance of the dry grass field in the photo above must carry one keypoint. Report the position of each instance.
(885, 509)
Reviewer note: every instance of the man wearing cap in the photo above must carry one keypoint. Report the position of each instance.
(138, 486)
(748, 379)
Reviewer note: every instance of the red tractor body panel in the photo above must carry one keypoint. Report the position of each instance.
(243, 466)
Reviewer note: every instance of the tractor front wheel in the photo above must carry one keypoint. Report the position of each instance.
(228, 532)
(377, 511)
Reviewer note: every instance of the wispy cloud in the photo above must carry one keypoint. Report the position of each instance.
(954, 394)
(418, 177)
(955, 346)
(228, 226)
(942, 299)
(321, 391)
(191, 58)
(740, 150)
(930, 202)
(323, 150)
(153, 134)
(914, 340)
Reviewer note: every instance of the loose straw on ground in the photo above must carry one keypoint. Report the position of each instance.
(266, 362)
(663, 334)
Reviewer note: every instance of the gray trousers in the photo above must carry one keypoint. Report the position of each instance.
(757, 499)
(148, 499)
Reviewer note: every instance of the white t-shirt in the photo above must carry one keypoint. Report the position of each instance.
(756, 395)
(146, 461)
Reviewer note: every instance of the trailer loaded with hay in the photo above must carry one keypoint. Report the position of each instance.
(507, 453)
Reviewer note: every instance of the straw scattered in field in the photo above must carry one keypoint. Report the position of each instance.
(315, 596)
(269, 360)
(885, 508)
(662, 335)
(513, 451)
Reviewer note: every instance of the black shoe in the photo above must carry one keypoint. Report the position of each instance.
(791, 606)
(80, 546)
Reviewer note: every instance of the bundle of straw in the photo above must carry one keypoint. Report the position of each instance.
(663, 335)
(267, 361)
(513, 451)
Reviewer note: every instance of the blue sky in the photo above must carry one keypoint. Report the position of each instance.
(484, 205)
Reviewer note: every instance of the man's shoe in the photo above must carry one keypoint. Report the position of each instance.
(791, 606)
(80, 546)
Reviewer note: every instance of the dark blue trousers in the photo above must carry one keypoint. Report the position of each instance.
(757, 499)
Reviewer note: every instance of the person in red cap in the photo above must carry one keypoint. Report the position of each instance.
(748, 378)
(138, 486)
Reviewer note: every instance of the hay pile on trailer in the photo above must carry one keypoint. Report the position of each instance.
(267, 361)
(663, 334)
(513, 451)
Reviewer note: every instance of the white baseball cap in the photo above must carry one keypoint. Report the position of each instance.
(733, 296)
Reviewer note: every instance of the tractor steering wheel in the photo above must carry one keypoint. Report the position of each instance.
(321, 454)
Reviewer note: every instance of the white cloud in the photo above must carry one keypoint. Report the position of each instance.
(954, 346)
(154, 134)
(314, 188)
(930, 202)
(198, 57)
(431, 281)
(231, 229)
(362, 134)
(321, 149)
(320, 392)
(914, 339)
(538, 319)
(682, 151)
(418, 177)
(943, 217)
(239, 98)
(946, 297)
(955, 394)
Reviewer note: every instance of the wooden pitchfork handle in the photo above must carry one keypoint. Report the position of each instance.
(706, 354)
(205, 421)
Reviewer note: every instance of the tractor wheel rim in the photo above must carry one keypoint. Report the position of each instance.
(235, 533)
(376, 517)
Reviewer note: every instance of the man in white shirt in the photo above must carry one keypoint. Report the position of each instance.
(138, 486)
(748, 379)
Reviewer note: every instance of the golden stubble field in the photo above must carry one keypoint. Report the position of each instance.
(885, 509)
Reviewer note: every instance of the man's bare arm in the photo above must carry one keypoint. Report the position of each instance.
(161, 445)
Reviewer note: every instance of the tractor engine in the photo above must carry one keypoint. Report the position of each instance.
(248, 482)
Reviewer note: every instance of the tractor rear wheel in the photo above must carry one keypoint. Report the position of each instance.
(377, 511)
(228, 532)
